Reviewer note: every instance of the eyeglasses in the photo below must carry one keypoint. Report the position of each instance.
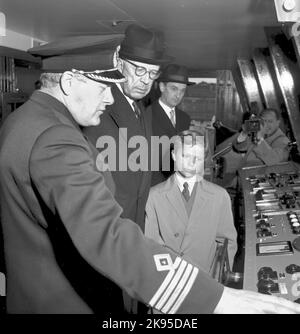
(141, 71)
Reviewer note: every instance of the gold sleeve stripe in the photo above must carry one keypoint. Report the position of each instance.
(165, 283)
(185, 291)
(178, 289)
(175, 287)
(172, 285)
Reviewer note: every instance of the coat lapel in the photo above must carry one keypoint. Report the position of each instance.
(178, 120)
(123, 114)
(203, 200)
(147, 120)
(173, 196)
(124, 117)
(162, 120)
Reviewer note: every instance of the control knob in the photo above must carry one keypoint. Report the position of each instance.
(292, 268)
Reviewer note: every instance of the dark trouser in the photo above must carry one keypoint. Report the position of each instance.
(132, 306)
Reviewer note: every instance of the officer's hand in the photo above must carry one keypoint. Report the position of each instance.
(247, 302)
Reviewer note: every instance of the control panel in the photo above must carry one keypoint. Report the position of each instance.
(276, 192)
(272, 229)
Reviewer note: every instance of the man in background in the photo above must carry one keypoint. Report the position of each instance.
(167, 119)
(272, 144)
(268, 146)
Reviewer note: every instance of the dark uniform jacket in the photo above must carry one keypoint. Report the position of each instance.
(162, 126)
(132, 186)
(61, 226)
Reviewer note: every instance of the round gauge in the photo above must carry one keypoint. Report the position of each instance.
(289, 5)
(296, 245)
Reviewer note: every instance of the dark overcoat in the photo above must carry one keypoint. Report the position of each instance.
(119, 123)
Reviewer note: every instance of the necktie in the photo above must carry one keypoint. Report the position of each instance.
(136, 109)
(172, 117)
(185, 191)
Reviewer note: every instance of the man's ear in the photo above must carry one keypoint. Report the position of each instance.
(66, 82)
(162, 86)
(278, 122)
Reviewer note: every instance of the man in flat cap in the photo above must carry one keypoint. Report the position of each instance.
(62, 227)
(167, 119)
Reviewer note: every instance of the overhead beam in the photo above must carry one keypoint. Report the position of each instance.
(250, 83)
(265, 79)
(282, 55)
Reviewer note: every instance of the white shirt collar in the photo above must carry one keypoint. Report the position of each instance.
(166, 108)
(190, 181)
(130, 101)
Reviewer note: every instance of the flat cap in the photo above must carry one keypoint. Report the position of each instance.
(90, 55)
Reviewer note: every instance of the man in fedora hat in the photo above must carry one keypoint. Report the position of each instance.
(167, 119)
(138, 58)
(63, 232)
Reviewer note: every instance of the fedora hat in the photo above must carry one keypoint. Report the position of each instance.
(90, 55)
(175, 73)
(143, 45)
